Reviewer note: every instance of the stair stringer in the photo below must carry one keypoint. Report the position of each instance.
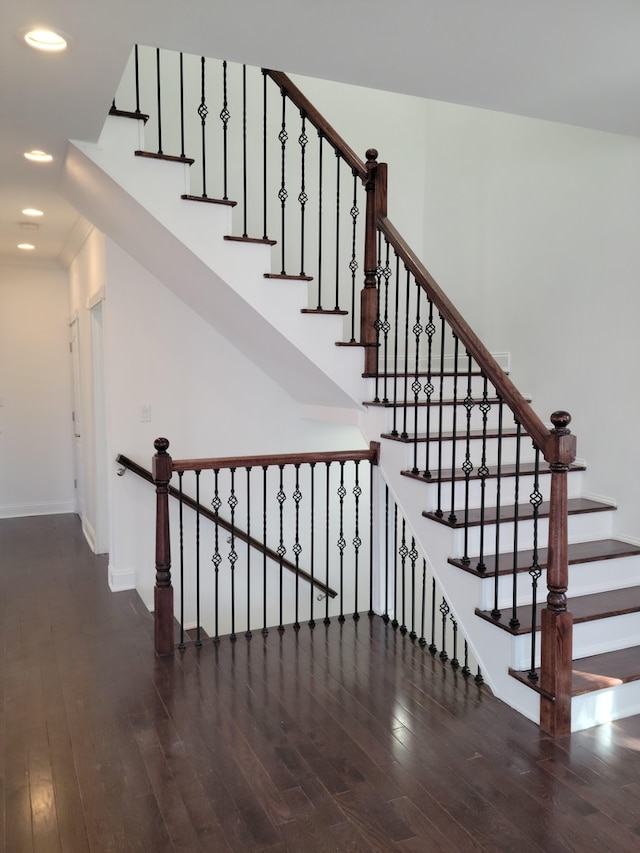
(136, 202)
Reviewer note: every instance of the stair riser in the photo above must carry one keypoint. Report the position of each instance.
(397, 389)
(477, 421)
(589, 638)
(603, 706)
(584, 579)
(490, 448)
(507, 492)
(582, 527)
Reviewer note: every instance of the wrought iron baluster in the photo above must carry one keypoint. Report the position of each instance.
(444, 610)
(265, 192)
(454, 432)
(396, 319)
(394, 621)
(320, 179)
(225, 115)
(496, 612)
(203, 111)
(385, 615)
(353, 263)
(413, 556)
(136, 62)
(265, 630)
(404, 551)
(341, 540)
(159, 100)
(386, 325)
(233, 556)
(416, 385)
(302, 196)
(327, 512)
(432, 645)
(312, 557)
(297, 548)
(439, 512)
(248, 633)
(478, 678)
(454, 662)
(467, 466)
(430, 330)
(198, 629)
(371, 510)
(337, 263)
(483, 472)
(181, 645)
(283, 136)
(182, 154)
(405, 398)
(244, 151)
(465, 669)
(535, 571)
(216, 503)
(357, 542)
(281, 550)
(422, 642)
(514, 622)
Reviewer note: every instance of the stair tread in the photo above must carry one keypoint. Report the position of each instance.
(579, 552)
(585, 608)
(525, 468)
(598, 672)
(390, 404)
(525, 511)
(474, 434)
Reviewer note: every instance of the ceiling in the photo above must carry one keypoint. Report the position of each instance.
(574, 61)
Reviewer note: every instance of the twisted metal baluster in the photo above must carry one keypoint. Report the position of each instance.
(283, 136)
(297, 548)
(357, 542)
(281, 550)
(535, 571)
(353, 263)
(404, 551)
(467, 466)
(203, 111)
(216, 503)
(341, 540)
(413, 556)
(233, 556)
(514, 622)
(303, 198)
(454, 662)
(225, 115)
(444, 610)
(483, 473)
(429, 388)
(248, 633)
(454, 432)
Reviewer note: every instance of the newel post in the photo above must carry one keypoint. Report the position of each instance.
(557, 622)
(376, 205)
(163, 592)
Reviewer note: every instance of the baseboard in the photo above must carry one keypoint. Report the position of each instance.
(89, 533)
(119, 581)
(20, 510)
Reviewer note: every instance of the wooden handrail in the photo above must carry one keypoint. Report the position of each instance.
(142, 472)
(218, 463)
(318, 121)
(504, 386)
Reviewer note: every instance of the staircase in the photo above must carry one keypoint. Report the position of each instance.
(457, 516)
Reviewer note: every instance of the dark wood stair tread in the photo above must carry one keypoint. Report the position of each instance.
(207, 200)
(114, 111)
(265, 241)
(170, 158)
(525, 468)
(525, 511)
(579, 552)
(286, 277)
(474, 435)
(585, 608)
(597, 672)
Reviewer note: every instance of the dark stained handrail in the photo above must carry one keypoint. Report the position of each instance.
(318, 121)
(211, 464)
(142, 472)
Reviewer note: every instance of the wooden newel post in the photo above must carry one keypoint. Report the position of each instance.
(163, 592)
(376, 189)
(557, 622)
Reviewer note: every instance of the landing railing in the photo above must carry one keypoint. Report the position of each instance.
(330, 513)
(296, 183)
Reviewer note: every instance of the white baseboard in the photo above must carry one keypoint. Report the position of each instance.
(89, 533)
(20, 510)
(121, 580)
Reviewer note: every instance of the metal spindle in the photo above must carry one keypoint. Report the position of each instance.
(312, 623)
(371, 517)
(444, 610)
(514, 622)
(413, 556)
(198, 629)
(283, 136)
(216, 503)
(182, 154)
(326, 619)
(265, 630)
(247, 632)
(394, 431)
(302, 196)
(404, 551)
(432, 645)
(496, 612)
(454, 432)
(265, 235)
(281, 498)
(181, 645)
(337, 264)
(467, 466)
(394, 621)
(429, 388)
(244, 151)
(233, 556)
(439, 513)
(357, 542)
(353, 263)
(225, 115)
(404, 433)
(320, 152)
(386, 326)
(535, 571)
(422, 642)
(159, 101)
(454, 662)
(385, 615)
(297, 548)
(203, 111)
(465, 669)
(483, 473)
(416, 385)
(137, 77)
(341, 540)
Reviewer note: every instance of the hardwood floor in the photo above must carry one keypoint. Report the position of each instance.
(347, 738)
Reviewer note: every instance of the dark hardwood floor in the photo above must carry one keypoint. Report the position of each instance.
(347, 738)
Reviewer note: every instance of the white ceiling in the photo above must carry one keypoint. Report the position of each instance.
(575, 61)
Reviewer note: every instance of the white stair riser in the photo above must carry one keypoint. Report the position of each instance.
(397, 389)
(603, 706)
(441, 453)
(477, 421)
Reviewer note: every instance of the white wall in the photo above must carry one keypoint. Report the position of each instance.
(204, 395)
(532, 227)
(36, 462)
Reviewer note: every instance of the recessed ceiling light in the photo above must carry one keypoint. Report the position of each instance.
(38, 156)
(45, 40)
(26, 246)
(32, 211)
